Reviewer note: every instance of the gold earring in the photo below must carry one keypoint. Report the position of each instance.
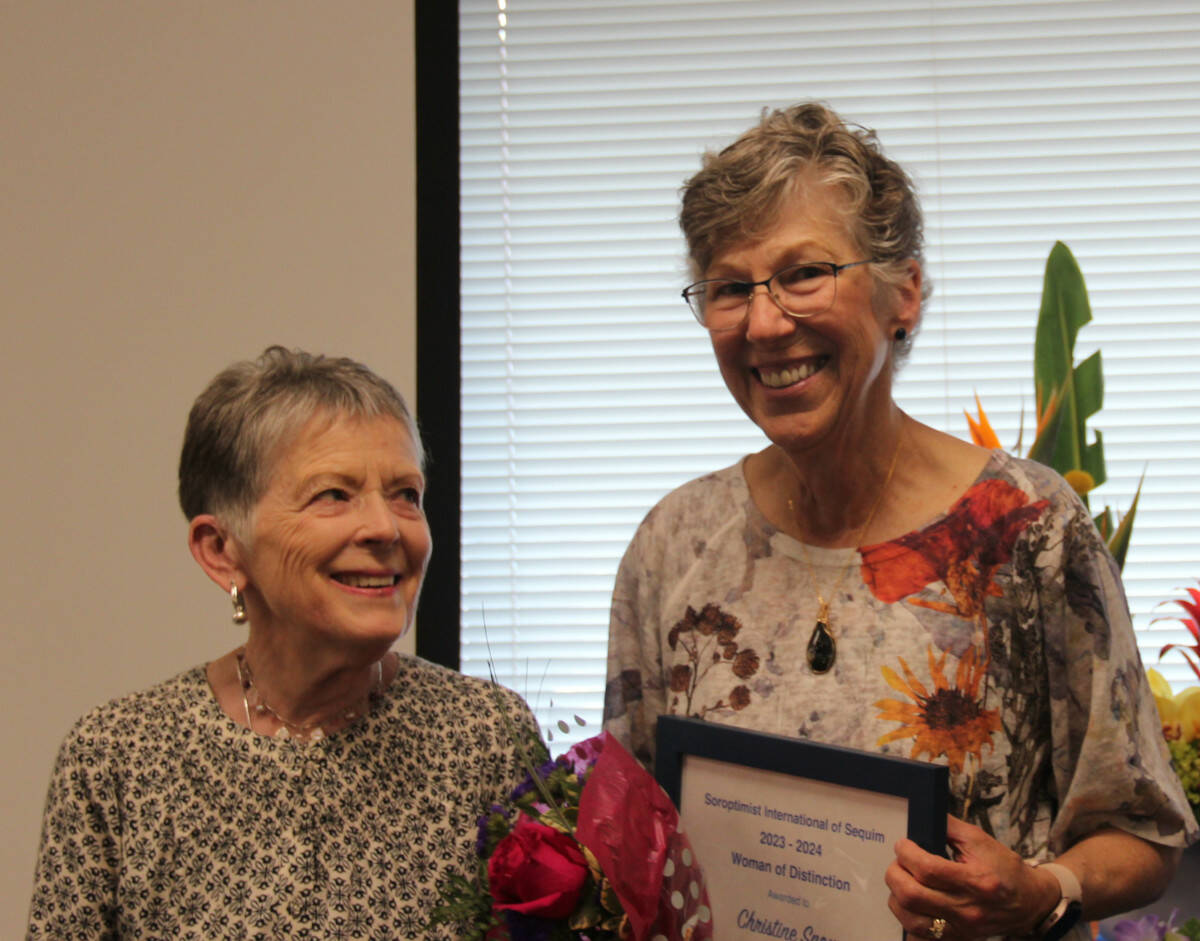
(239, 606)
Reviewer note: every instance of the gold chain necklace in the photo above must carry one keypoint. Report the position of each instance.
(822, 647)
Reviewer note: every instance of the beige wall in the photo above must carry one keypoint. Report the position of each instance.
(181, 183)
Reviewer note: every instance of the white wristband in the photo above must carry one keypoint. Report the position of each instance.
(1070, 901)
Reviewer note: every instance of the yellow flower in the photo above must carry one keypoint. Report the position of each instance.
(1080, 480)
(1179, 712)
(948, 721)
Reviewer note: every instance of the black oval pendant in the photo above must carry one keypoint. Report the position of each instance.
(822, 650)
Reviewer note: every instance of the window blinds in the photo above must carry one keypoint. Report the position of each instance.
(587, 389)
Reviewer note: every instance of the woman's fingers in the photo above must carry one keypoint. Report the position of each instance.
(985, 890)
(924, 927)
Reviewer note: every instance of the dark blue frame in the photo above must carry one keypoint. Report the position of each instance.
(925, 786)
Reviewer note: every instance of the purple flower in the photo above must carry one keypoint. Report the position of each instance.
(482, 831)
(527, 785)
(582, 755)
(1146, 928)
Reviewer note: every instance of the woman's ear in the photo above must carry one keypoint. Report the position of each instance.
(907, 311)
(215, 549)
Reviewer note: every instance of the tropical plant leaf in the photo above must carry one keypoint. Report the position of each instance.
(1049, 428)
(1065, 309)
(1089, 398)
(1184, 651)
(1020, 429)
(1066, 396)
(1118, 543)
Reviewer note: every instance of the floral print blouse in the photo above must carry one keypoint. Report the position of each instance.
(165, 819)
(996, 640)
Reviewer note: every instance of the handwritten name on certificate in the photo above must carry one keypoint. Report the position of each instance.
(789, 857)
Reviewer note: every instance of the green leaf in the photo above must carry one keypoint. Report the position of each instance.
(588, 914)
(1065, 309)
(466, 906)
(1046, 443)
(1191, 928)
(1089, 399)
(1118, 545)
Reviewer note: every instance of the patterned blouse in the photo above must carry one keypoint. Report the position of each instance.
(995, 640)
(166, 819)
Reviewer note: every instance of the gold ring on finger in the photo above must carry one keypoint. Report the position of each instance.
(937, 928)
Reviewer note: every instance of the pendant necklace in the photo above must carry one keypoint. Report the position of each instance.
(822, 647)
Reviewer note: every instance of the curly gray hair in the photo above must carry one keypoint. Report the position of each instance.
(739, 191)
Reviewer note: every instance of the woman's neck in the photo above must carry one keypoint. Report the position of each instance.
(836, 494)
(301, 690)
(825, 496)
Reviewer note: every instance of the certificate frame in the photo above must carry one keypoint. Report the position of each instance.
(925, 786)
(795, 836)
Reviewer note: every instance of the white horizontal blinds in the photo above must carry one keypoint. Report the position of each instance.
(588, 391)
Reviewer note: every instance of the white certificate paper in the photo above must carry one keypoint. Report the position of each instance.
(791, 858)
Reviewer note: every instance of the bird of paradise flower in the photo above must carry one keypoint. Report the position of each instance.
(948, 720)
(1067, 396)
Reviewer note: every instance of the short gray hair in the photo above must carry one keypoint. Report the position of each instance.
(253, 407)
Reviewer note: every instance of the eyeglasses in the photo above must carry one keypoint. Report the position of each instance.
(801, 290)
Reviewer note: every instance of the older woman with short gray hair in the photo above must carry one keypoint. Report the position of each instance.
(311, 782)
(870, 581)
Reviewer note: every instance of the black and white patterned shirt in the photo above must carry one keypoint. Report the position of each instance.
(165, 819)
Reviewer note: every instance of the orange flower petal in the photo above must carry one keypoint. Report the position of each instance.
(914, 684)
(894, 681)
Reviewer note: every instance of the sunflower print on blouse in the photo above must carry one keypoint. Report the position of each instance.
(948, 720)
(955, 560)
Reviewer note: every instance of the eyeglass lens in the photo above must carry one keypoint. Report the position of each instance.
(802, 290)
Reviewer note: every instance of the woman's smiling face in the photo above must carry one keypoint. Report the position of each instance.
(802, 380)
(339, 540)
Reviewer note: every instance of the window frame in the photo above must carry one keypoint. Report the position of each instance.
(439, 337)
(439, 399)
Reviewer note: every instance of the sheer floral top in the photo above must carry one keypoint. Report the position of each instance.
(995, 640)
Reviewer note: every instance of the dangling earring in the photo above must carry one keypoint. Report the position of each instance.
(901, 334)
(239, 606)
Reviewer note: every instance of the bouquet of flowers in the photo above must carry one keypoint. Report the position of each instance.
(589, 847)
(1180, 713)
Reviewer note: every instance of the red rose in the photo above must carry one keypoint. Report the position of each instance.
(538, 871)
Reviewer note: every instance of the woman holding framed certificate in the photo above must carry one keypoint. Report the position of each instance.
(871, 582)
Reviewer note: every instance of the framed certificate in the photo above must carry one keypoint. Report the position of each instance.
(794, 837)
